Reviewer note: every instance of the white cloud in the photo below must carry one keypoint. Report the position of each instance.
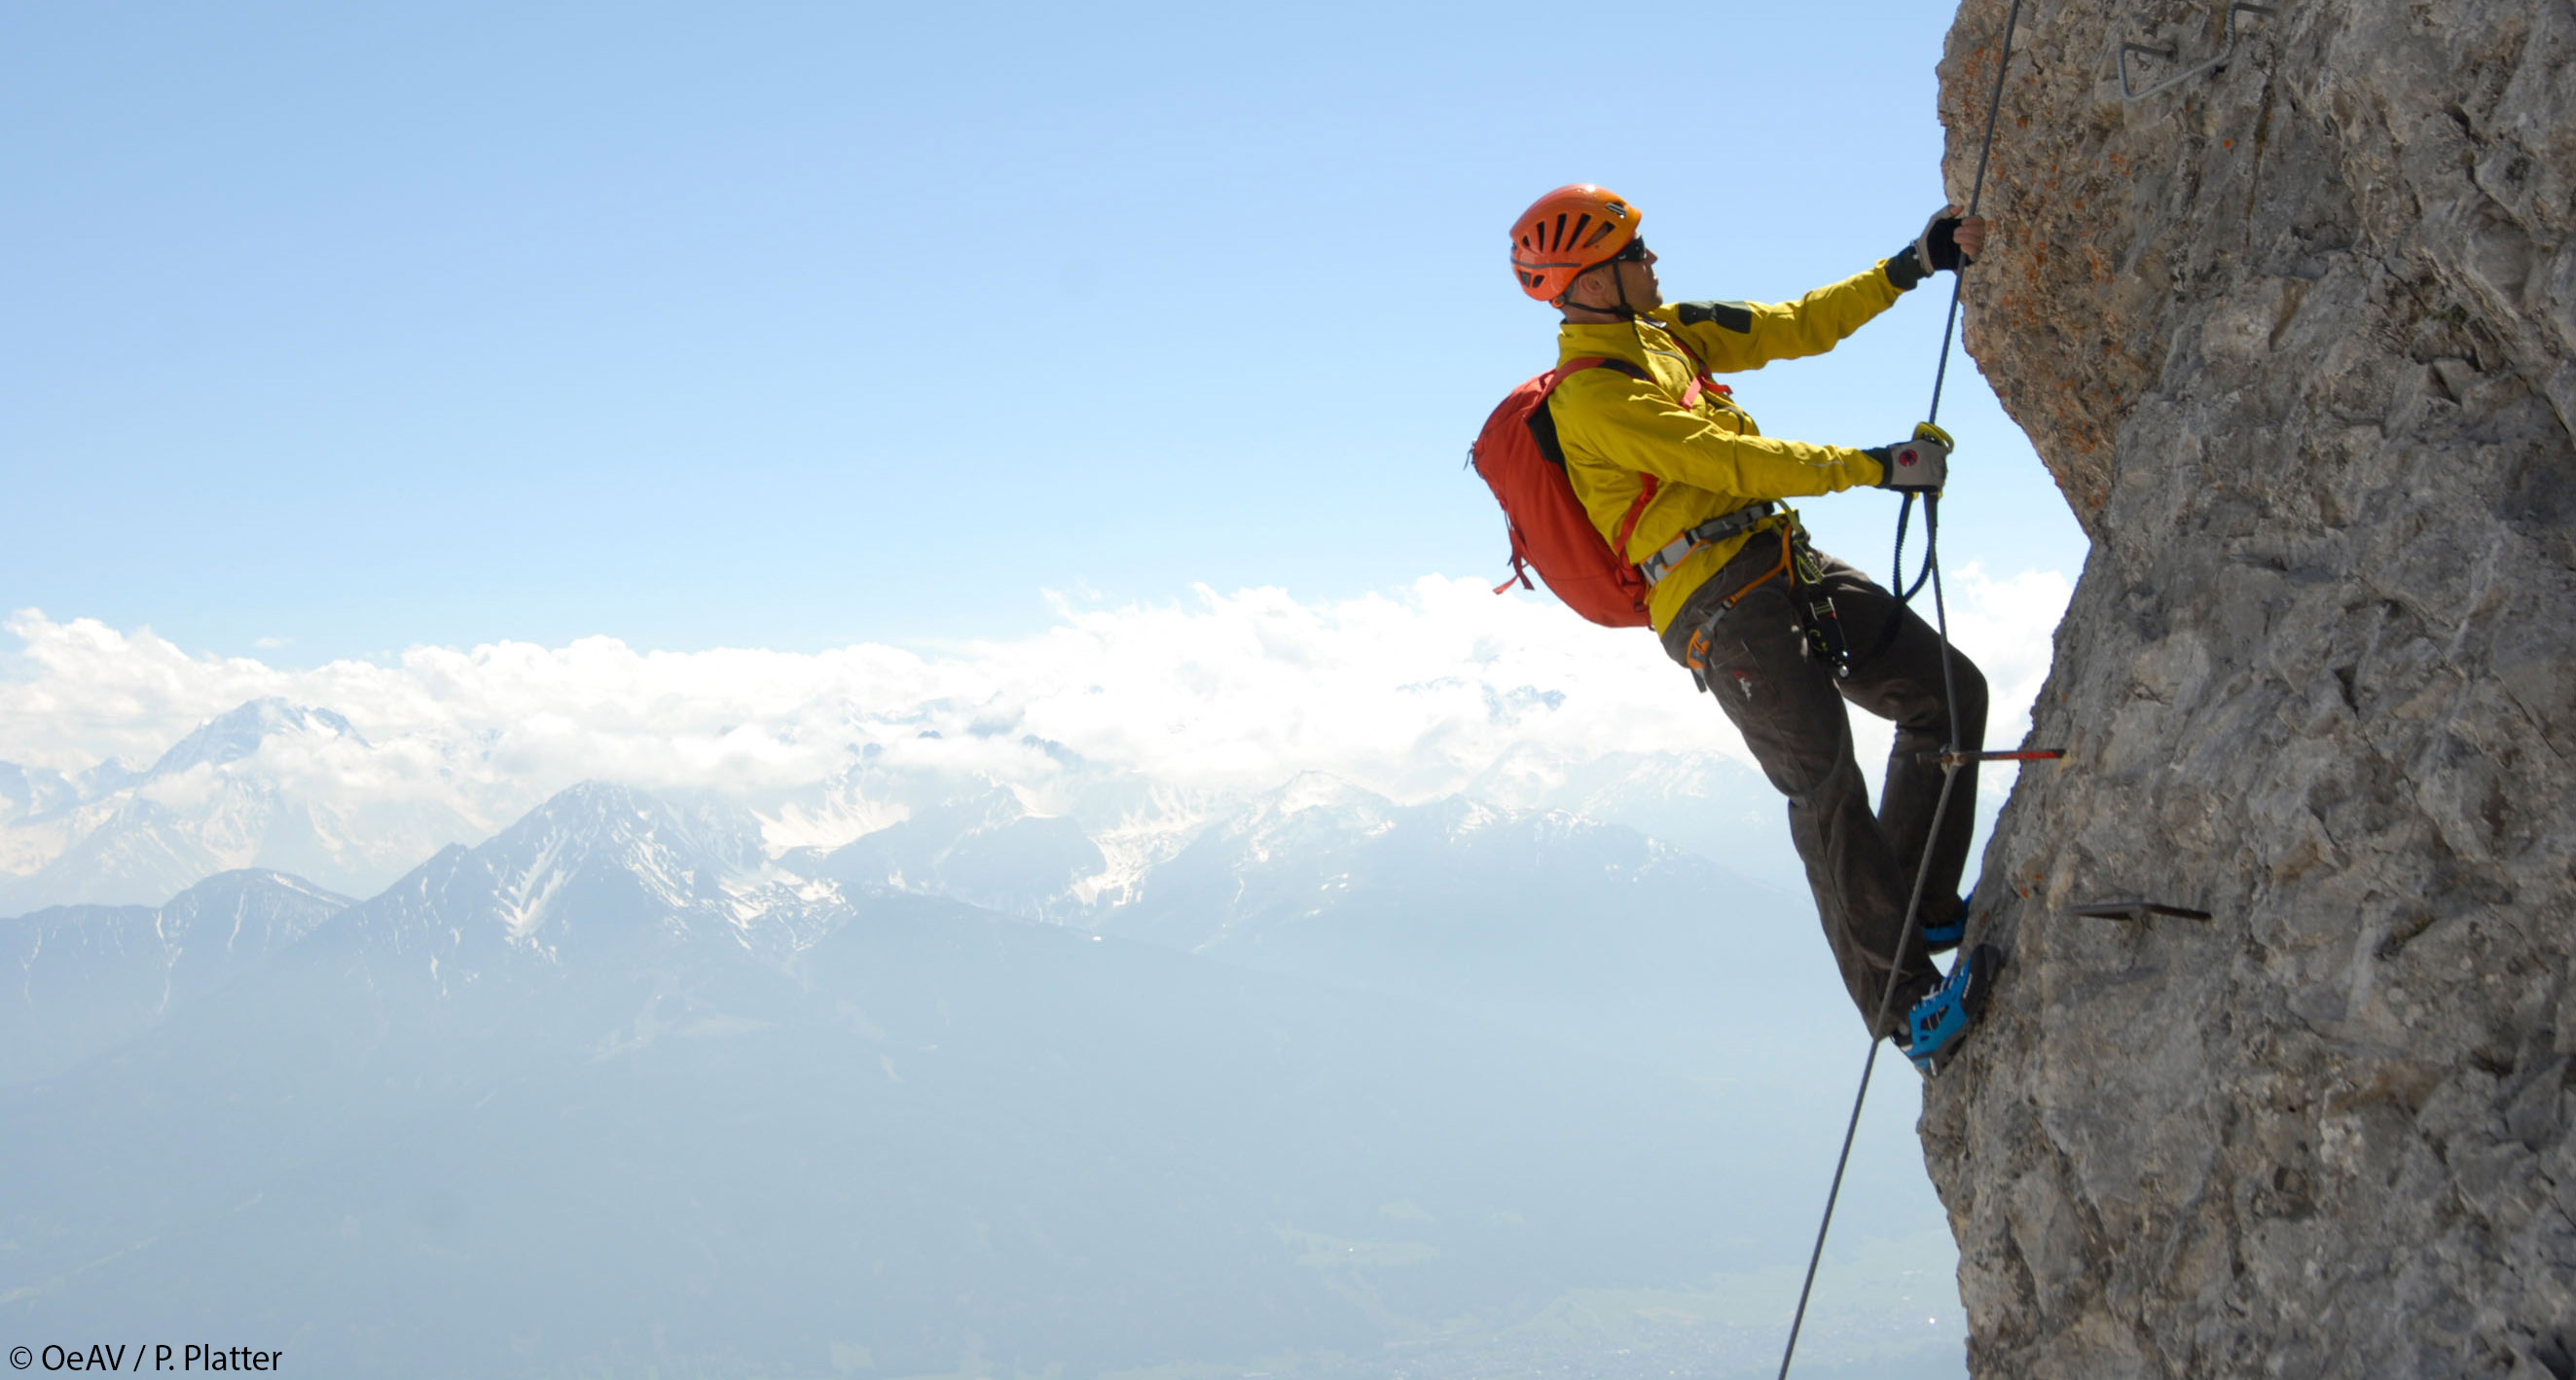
(1410, 692)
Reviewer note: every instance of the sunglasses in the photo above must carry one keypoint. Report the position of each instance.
(1634, 253)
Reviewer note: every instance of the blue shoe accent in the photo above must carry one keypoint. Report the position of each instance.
(1938, 1023)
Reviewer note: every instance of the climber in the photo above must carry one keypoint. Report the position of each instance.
(1678, 480)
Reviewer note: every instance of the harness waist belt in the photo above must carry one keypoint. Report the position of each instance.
(1716, 529)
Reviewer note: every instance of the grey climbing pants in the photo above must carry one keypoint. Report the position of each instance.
(1789, 707)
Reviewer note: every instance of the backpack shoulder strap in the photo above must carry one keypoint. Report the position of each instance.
(1542, 427)
(1542, 423)
(1571, 367)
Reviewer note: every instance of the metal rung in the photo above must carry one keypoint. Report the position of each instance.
(2137, 910)
(1961, 759)
(2170, 53)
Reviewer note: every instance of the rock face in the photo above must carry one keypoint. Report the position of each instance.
(2298, 339)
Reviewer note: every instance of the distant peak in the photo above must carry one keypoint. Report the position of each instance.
(607, 820)
(223, 887)
(1310, 790)
(239, 732)
(598, 799)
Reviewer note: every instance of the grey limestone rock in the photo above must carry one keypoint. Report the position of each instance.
(2298, 340)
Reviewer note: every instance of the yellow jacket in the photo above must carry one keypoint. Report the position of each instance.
(1709, 459)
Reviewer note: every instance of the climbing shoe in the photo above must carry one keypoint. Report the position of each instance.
(1945, 936)
(1938, 1024)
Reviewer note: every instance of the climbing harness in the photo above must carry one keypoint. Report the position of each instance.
(1955, 756)
(1820, 629)
(1716, 529)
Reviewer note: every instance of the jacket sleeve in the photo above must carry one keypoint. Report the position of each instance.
(1606, 418)
(1734, 336)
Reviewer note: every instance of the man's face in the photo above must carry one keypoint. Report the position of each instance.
(1633, 271)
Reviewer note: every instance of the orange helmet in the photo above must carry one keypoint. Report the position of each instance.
(1573, 228)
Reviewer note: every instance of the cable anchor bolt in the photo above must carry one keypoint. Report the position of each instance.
(2171, 53)
(2137, 910)
(1948, 760)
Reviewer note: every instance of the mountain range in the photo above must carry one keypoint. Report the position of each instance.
(268, 785)
(299, 789)
(1310, 1082)
(88, 978)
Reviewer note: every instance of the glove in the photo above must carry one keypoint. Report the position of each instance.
(1936, 249)
(1921, 465)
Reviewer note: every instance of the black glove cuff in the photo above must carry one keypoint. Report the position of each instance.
(1905, 270)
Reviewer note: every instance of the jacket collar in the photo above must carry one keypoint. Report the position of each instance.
(1615, 340)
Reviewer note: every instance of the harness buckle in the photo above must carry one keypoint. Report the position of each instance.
(1716, 529)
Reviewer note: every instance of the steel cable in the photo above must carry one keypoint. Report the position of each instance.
(1951, 763)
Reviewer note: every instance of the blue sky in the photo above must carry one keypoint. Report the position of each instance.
(331, 330)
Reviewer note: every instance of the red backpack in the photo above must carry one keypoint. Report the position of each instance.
(1518, 455)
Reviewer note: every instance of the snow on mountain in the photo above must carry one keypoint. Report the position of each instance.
(1705, 802)
(81, 979)
(986, 850)
(245, 731)
(1081, 840)
(944, 1133)
(268, 784)
(1552, 883)
(1152, 832)
(1056, 839)
(986, 815)
(26, 792)
(1485, 910)
(1474, 904)
(235, 919)
(597, 869)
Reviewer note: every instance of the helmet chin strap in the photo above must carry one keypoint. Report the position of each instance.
(1622, 311)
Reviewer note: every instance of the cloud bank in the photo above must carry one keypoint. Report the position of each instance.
(1410, 693)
